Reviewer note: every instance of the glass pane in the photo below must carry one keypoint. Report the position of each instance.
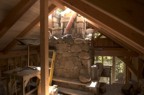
(107, 60)
(119, 71)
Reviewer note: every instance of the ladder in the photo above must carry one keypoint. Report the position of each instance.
(52, 66)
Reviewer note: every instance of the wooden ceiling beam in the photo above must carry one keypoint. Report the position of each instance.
(11, 54)
(14, 15)
(27, 29)
(114, 52)
(126, 34)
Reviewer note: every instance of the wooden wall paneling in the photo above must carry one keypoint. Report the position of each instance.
(20, 65)
(23, 61)
(36, 60)
(33, 60)
(114, 52)
(3, 65)
(94, 25)
(15, 60)
(11, 54)
(18, 61)
(105, 42)
(10, 63)
(105, 32)
(31, 63)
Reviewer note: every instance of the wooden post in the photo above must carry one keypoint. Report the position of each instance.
(128, 74)
(113, 70)
(110, 79)
(28, 55)
(102, 60)
(44, 47)
(140, 68)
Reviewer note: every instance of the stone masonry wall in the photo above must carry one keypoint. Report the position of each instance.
(73, 57)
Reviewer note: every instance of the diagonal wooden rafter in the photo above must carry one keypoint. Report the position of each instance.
(27, 29)
(58, 4)
(14, 15)
(127, 35)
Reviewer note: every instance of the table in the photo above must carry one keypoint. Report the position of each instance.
(19, 78)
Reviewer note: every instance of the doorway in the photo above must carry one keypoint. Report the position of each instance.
(118, 68)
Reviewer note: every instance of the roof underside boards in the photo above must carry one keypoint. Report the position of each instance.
(109, 24)
(20, 25)
(130, 11)
(6, 6)
(115, 19)
(14, 15)
(32, 31)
